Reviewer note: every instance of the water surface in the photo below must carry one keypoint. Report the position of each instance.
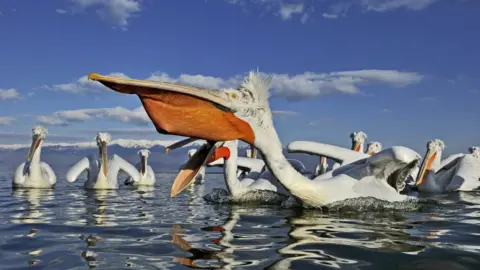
(71, 228)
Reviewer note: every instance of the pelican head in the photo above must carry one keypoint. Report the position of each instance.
(434, 149)
(144, 153)
(211, 115)
(102, 139)
(358, 139)
(475, 151)
(373, 148)
(39, 133)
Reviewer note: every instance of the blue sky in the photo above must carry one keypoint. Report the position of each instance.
(403, 71)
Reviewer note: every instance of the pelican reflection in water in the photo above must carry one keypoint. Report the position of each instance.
(33, 212)
(230, 244)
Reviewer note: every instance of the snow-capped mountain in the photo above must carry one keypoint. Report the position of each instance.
(61, 156)
(92, 144)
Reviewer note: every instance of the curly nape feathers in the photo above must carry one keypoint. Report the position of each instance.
(255, 90)
(436, 145)
(358, 136)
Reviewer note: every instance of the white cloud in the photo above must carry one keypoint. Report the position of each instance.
(332, 9)
(330, 16)
(117, 12)
(60, 11)
(389, 5)
(50, 120)
(308, 84)
(6, 120)
(82, 85)
(284, 113)
(137, 116)
(10, 93)
(387, 110)
(287, 10)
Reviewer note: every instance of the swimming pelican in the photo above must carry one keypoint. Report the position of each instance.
(245, 114)
(147, 176)
(460, 172)
(102, 173)
(35, 173)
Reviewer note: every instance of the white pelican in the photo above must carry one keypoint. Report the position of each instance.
(459, 172)
(322, 167)
(35, 173)
(245, 114)
(358, 141)
(373, 148)
(102, 173)
(147, 176)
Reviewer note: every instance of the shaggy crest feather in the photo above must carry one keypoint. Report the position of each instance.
(436, 144)
(255, 90)
(357, 136)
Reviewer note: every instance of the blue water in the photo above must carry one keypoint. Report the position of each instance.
(71, 228)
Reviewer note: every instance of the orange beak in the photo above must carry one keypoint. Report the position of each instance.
(221, 152)
(426, 166)
(184, 110)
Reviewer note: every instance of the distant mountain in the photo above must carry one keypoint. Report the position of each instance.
(61, 156)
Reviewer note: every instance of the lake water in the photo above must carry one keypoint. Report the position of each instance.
(70, 228)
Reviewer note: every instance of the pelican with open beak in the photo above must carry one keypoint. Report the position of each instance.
(102, 173)
(147, 176)
(35, 173)
(244, 114)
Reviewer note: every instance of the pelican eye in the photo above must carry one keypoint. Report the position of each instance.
(233, 95)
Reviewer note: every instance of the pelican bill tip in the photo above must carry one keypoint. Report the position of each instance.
(94, 76)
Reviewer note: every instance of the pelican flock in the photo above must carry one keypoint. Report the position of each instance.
(223, 118)
(102, 173)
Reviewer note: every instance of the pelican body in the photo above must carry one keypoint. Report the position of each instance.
(244, 114)
(35, 173)
(459, 172)
(146, 174)
(102, 173)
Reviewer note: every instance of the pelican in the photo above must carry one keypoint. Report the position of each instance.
(147, 176)
(459, 172)
(35, 173)
(373, 148)
(358, 140)
(244, 113)
(102, 173)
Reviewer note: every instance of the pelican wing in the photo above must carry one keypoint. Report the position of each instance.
(19, 176)
(151, 174)
(121, 164)
(337, 153)
(450, 161)
(466, 176)
(77, 169)
(49, 173)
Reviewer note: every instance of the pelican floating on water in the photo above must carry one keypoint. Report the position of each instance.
(35, 173)
(358, 141)
(146, 174)
(245, 114)
(459, 172)
(102, 173)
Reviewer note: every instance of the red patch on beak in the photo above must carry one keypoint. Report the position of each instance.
(221, 152)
